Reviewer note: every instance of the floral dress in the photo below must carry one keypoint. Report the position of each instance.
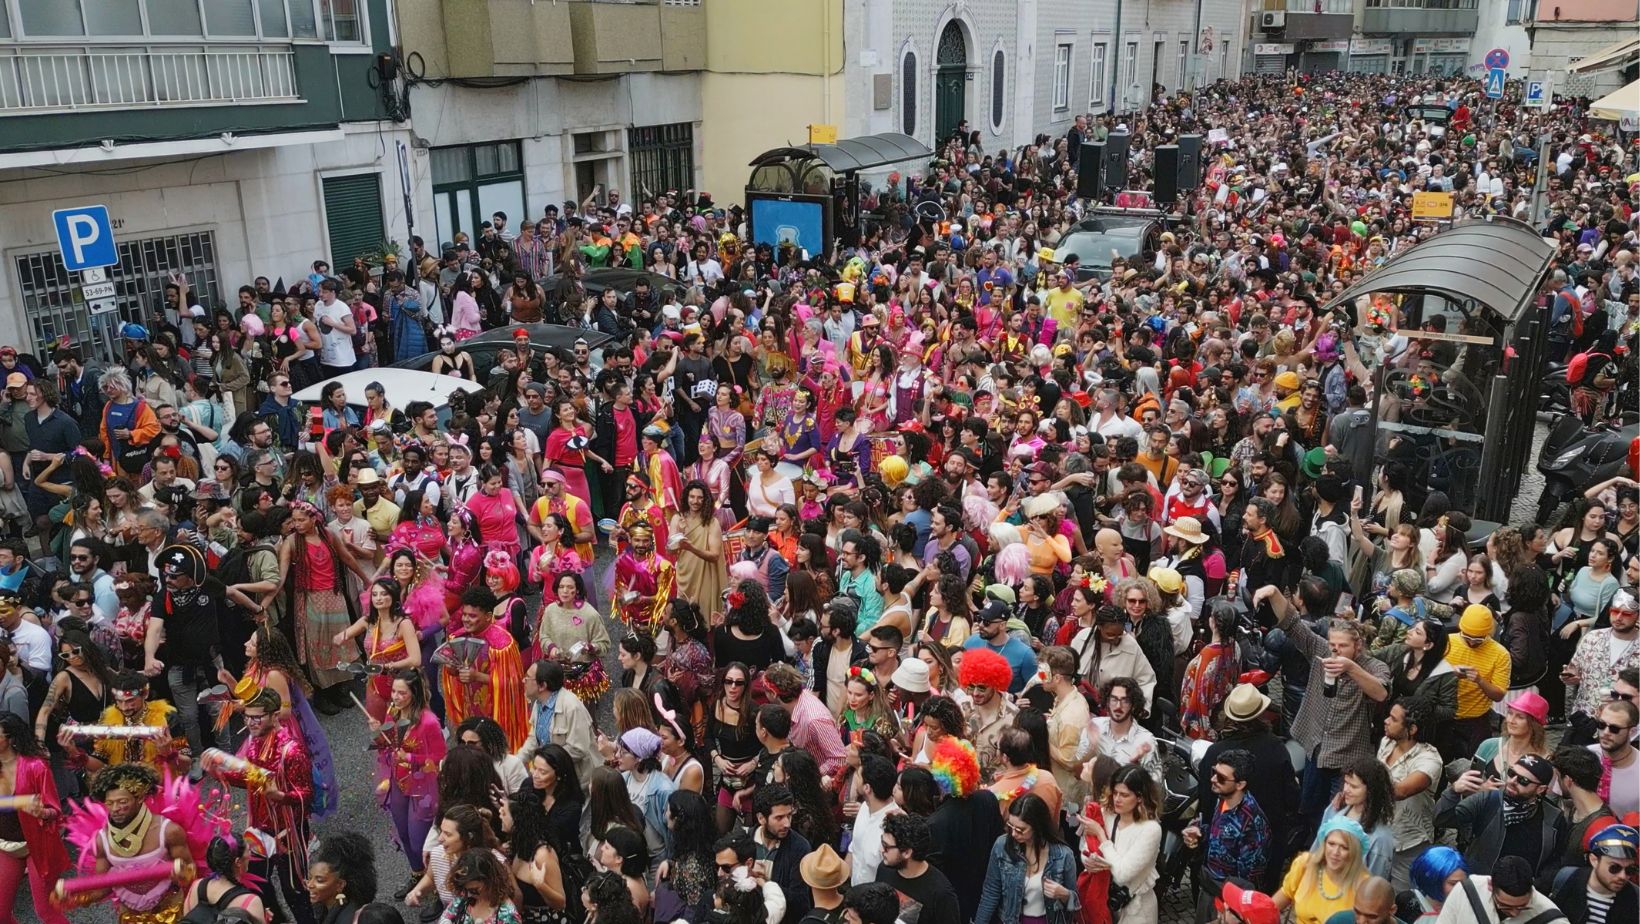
(456, 913)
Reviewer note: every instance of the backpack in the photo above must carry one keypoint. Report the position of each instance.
(1577, 368)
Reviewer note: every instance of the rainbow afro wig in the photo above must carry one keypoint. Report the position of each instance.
(955, 765)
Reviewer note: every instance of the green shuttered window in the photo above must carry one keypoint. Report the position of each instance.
(353, 215)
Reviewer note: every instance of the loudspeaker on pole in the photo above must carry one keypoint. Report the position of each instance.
(1167, 174)
(1116, 161)
(1090, 170)
(1190, 161)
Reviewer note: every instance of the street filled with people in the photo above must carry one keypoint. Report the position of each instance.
(959, 575)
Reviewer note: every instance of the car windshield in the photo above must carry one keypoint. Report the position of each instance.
(1094, 247)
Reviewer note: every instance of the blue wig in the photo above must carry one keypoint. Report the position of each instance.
(1429, 871)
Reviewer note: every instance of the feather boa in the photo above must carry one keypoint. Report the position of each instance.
(201, 814)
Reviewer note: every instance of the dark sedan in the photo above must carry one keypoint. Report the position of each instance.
(485, 346)
(1104, 235)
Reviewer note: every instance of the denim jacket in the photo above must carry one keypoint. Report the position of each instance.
(1003, 898)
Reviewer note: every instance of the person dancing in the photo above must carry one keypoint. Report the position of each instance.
(409, 748)
(645, 582)
(25, 771)
(133, 835)
(492, 684)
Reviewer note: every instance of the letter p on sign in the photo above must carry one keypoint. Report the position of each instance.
(85, 237)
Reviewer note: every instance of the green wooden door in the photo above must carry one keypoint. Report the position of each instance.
(950, 91)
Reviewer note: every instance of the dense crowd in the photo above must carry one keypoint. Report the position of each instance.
(952, 582)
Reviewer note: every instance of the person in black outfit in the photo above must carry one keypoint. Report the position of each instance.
(782, 847)
(1272, 782)
(1603, 889)
(926, 895)
(183, 635)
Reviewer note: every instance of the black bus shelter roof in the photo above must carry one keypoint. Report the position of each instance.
(852, 154)
(1497, 262)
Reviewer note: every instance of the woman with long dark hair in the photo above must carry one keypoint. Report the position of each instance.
(314, 593)
(25, 771)
(1418, 667)
(410, 742)
(484, 890)
(814, 818)
(1128, 841)
(608, 806)
(691, 870)
(732, 739)
(390, 641)
(82, 690)
(1211, 674)
(608, 900)
(1032, 873)
(542, 817)
(746, 634)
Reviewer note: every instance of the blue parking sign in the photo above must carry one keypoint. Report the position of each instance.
(85, 237)
(1495, 79)
(1537, 93)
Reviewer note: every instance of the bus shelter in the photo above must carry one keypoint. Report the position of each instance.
(1458, 407)
(809, 195)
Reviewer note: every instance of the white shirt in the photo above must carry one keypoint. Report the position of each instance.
(1124, 749)
(335, 347)
(33, 646)
(865, 850)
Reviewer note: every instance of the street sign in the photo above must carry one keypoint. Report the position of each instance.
(85, 237)
(92, 291)
(1497, 58)
(822, 134)
(1431, 206)
(1537, 94)
(1495, 79)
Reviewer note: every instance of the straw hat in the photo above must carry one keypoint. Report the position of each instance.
(1187, 528)
(1245, 703)
(823, 869)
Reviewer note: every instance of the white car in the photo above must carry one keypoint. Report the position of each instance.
(402, 386)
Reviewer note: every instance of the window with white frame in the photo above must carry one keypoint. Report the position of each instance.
(1129, 74)
(1184, 64)
(338, 21)
(1062, 76)
(1097, 83)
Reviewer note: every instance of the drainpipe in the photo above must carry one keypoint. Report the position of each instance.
(1116, 64)
(1196, 47)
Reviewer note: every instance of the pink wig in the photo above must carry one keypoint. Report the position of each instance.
(1013, 564)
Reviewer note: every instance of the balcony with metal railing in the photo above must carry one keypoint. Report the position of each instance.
(37, 79)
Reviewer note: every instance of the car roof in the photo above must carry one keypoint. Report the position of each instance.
(403, 385)
(1132, 221)
(557, 336)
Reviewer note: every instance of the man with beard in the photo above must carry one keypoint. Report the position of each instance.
(615, 439)
(1603, 890)
(382, 514)
(1190, 498)
(184, 627)
(279, 794)
(986, 676)
(779, 848)
(645, 580)
(991, 634)
(86, 560)
(134, 837)
(166, 747)
(1514, 821)
(926, 895)
(945, 535)
(1601, 655)
(50, 432)
(962, 465)
(735, 855)
(415, 476)
(77, 383)
(1619, 781)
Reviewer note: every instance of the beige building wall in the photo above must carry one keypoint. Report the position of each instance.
(773, 68)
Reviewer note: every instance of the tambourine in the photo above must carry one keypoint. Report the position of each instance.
(389, 736)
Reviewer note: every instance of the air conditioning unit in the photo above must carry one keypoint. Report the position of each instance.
(1275, 19)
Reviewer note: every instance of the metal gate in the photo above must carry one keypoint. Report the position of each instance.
(51, 294)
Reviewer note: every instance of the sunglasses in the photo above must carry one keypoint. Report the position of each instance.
(1614, 729)
(80, 601)
(732, 682)
(1221, 778)
(1523, 779)
(1625, 697)
(1628, 869)
(79, 558)
(73, 652)
(726, 868)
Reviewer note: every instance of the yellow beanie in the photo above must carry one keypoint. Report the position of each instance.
(1477, 621)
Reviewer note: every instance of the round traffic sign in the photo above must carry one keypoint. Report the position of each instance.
(1497, 57)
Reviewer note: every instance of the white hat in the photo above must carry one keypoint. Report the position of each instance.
(911, 676)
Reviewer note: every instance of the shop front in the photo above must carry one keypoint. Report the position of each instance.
(1442, 57)
(1371, 56)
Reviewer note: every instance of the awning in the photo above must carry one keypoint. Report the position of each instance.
(852, 154)
(1618, 105)
(1617, 54)
(1497, 263)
